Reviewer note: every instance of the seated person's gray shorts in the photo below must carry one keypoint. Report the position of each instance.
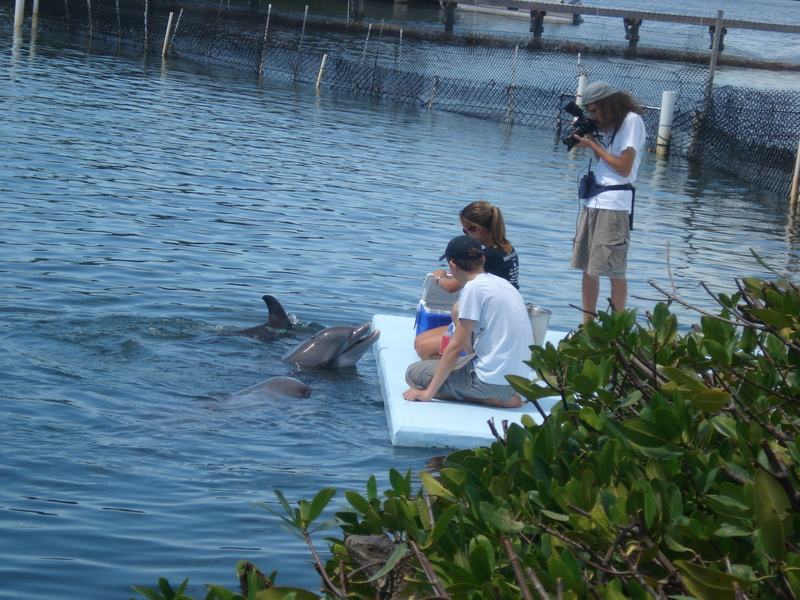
(462, 383)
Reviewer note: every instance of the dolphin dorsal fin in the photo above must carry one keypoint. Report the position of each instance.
(278, 319)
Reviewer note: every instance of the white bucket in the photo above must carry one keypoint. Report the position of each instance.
(540, 319)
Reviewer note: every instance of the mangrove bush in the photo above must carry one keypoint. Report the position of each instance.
(668, 469)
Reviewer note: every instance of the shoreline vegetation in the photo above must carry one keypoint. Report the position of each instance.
(669, 469)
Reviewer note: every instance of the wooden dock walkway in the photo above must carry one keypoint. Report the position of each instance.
(579, 9)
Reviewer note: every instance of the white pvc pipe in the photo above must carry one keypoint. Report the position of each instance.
(19, 13)
(665, 123)
(166, 35)
(795, 178)
(321, 69)
(582, 82)
(35, 8)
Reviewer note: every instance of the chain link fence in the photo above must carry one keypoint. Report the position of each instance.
(477, 71)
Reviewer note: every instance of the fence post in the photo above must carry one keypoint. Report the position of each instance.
(119, 24)
(264, 42)
(699, 124)
(433, 91)
(632, 35)
(146, 9)
(321, 69)
(712, 67)
(358, 10)
(665, 124)
(175, 31)
(511, 87)
(91, 23)
(449, 16)
(166, 35)
(19, 13)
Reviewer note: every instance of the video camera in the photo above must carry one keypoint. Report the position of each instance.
(582, 125)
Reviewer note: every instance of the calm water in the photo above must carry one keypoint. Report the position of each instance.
(147, 207)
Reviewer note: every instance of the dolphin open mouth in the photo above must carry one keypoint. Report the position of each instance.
(361, 339)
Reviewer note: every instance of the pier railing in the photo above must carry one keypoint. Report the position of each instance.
(746, 132)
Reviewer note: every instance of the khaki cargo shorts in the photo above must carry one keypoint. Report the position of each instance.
(601, 243)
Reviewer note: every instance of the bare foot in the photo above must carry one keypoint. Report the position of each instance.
(514, 402)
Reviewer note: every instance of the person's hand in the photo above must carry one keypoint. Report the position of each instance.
(439, 273)
(585, 142)
(415, 395)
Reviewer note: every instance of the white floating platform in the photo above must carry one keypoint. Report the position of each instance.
(439, 423)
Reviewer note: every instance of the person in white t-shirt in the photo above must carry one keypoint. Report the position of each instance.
(602, 238)
(493, 327)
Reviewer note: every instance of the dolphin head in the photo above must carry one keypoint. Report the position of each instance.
(334, 347)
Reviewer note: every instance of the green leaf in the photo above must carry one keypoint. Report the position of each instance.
(284, 503)
(148, 593)
(771, 505)
(774, 318)
(217, 592)
(725, 425)
(732, 531)
(709, 584)
(645, 433)
(372, 488)
(399, 552)
(710, 400)
(500, 519)
(665, 417)
(684, 379)
(721, 353)
(481, 559)
(286, 593)
(433, 487)
(531, 390)
(357, 501)
(167, 590)
(398, 483)
(319, 503)
(443, 522)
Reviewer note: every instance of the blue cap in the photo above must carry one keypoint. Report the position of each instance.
(463, 247)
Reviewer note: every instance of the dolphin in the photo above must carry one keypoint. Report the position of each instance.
(334, 347)
(284, 386)
(277, 323)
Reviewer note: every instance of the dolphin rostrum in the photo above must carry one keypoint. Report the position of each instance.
(277, 323)
(334, 347)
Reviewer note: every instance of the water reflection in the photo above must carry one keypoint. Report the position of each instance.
(147, 206)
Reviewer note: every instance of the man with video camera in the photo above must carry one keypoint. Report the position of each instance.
(602, 237)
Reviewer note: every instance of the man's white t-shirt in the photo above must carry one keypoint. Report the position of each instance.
(630, 135)
(502, 333)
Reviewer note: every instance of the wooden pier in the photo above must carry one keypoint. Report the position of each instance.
(631, 19)
(579, 9)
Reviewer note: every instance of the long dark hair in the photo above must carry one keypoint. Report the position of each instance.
(614, 108)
